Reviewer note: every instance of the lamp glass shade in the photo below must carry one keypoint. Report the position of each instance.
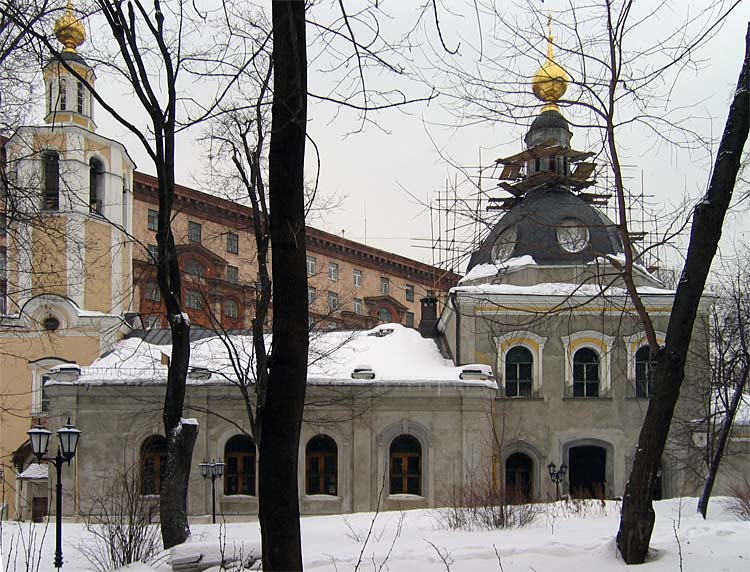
(563, 468)
(218, 469)
(205, 469)
(68, 436)
(552, 468)
(39, 437)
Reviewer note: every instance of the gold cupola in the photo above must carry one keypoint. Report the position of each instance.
(551, 81)
(69, 31)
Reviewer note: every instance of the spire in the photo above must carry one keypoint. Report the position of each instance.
(551, 81)
(69, 31)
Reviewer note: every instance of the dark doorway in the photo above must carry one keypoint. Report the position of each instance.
(587, 471)
(518, 473)
(38, 509)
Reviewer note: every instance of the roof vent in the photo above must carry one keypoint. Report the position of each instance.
(200, 373)
(363, 372)
(476, 372)
(381, 332)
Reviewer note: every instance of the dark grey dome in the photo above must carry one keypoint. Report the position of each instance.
(550, 120)
(555, 227)
(549, 126)
(69, 57)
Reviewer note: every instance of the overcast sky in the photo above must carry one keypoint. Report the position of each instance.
(408, 152)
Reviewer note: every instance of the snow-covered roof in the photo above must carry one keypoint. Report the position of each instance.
(559, 289)
(389, 354)
(34, 472)
(486, 270)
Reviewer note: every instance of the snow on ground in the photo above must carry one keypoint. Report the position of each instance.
(562, 538)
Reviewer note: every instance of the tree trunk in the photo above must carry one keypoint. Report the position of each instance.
(726, 429)
(282, 415)
(637, 520)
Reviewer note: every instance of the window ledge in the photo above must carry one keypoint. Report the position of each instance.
(322, 497)
(571, 398)
(520, 398)
(637, 397)
(406, 497)
(239, 497)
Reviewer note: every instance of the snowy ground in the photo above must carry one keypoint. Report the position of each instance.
(562, 538)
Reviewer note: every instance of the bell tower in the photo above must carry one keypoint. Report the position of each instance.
(68, 100)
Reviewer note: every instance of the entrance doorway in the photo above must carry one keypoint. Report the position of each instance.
(518, 478)
(587, 472)
(38, 509)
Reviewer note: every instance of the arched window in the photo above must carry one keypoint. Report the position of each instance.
(231, 309)
(586, 373)
(518, 372)
(63, 94)
(194, 268)
(153, 456)
(321, 462)
(51, 162)
(405, 466)
(239, 455)
(644, 373)
(81, 97)
(50, 97)
(518, 473)
(96, 186)
(384, 315)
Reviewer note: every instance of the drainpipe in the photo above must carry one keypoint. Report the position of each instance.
(454, 301)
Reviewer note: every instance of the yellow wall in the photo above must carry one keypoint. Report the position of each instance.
(98, 264)
(16, 351)
(48, 257)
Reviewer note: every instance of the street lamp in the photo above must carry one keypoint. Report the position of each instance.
(214, 470)
(68, 436)
(557, 476)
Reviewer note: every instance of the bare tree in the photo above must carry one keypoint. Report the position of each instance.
(729, 370)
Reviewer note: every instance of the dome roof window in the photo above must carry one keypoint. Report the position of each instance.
(572, 235)
(504, 245)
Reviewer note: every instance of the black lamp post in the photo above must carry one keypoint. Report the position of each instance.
(214, 470)
(66, 450)
(557, 476)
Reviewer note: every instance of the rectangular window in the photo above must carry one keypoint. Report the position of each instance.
(409, 292)
(385, 286)
(310, 261)
(333, 271)
(194, 231)
(357, 277)
(3, 224)
(333, 301)
(357, 302)
(409, 319)
(152, 322)
(152, 291)
(81, 93)
(193, 299)
(153, 220)
(153, 253)
(311, 294)
(233, 274)
(233, 243)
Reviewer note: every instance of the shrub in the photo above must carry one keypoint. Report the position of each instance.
(739, 501)
(480, 506)
(123, 525)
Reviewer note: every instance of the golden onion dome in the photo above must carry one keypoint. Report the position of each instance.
(551, 81)
(69, 31)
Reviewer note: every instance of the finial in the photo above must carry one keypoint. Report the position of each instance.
(69, 30)
(551, 81)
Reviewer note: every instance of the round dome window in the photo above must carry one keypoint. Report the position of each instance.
(504, 245)
(572, 235)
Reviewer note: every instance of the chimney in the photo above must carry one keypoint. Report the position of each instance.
(428, 321)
